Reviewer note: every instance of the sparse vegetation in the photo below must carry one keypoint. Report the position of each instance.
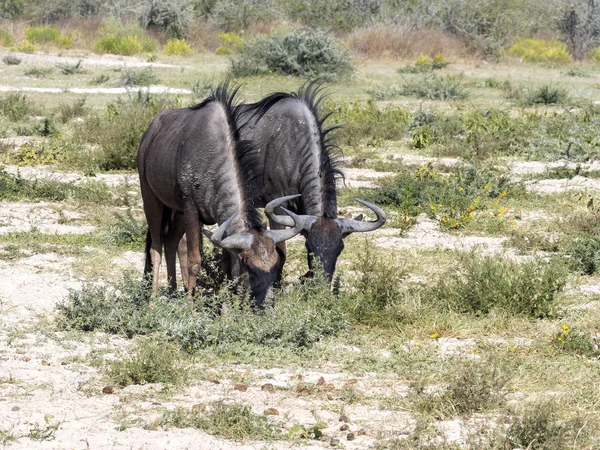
(138, 77)
(433, 87)
(38, 71)
(178, 47)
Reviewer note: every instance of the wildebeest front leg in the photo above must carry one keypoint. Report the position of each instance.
(282, 252)
(183, 263)
(193, 229)
(153, 208)
(172, 240)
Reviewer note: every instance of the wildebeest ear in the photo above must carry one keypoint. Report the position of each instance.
(359, 218)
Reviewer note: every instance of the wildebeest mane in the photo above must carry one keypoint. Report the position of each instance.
(312, 95)
(246, 156)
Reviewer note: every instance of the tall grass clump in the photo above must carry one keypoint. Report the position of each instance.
(483, 284)
(299, 53)
(178, 47)
(122, 39)
(368, 121)
(16, 106)
(6, 39)
(48, 34)
(424, 64)
(434, 87)
(296, 321)
(117, 133)
(540, 50)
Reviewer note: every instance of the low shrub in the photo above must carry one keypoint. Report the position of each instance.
(295, 321)
(11, 60)
(540, 50)
(122, 39)
(299, 53)
(231, 421)
(16, 188)
(575, 341)
(71, 69)
(149, 362)
(118, 45)
(6, 39)
(38, 71)
(433, 87)
(547, 95)
(230, 41)
(539, 427)
(584, 253)
(16, 106)
(454, 200)
(484, 284)
(138, 77)
(594, 54)
(68, 111)
(23, 47)
(367, 120)
(424, 63)
(471, 388)
(178, 47)
(117, 133)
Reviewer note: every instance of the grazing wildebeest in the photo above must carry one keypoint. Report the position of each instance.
(297, 157)
(193, 165)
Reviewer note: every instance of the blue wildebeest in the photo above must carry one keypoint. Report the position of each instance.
(194, 166)
(298, 157)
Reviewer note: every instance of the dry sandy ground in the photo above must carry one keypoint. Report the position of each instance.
(87, 59)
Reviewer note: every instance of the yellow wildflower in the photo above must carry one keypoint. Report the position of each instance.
(565, 327)
(434, 335)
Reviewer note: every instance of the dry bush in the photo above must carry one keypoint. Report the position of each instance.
(401, 42)
(205, 36)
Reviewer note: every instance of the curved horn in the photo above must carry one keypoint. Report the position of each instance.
(306, 220)
(288, 233)
(357, 226)
(237, 241)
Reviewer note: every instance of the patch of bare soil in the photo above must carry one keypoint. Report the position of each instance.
(116, 90)
(49, 173)
(426, 234)
(43, 216)
(417, 160)
(538, 167)
(94, 60)
(556, 186)
(357, 178)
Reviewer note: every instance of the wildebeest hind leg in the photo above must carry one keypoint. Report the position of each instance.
(153, 208)
(193, 229)
(183, 261)
(172, 238)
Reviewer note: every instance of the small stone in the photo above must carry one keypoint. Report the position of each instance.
(2, 399)
(344, 418)
(199, 407)
(64, 363)
(334, 442)
(351, 381)
(215, 381)
(45, 363)
(15, 408)
(350, 436)
(108, 390)
(268, 387)
(26, 358)
(241, 387)
(320, 381)
(271, 412)
(344, 427)
(297, 377)
(329, 397)
(361, 432)
(329, 387)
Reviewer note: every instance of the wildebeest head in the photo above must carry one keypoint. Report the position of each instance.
(325, 236)
(254, 259)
